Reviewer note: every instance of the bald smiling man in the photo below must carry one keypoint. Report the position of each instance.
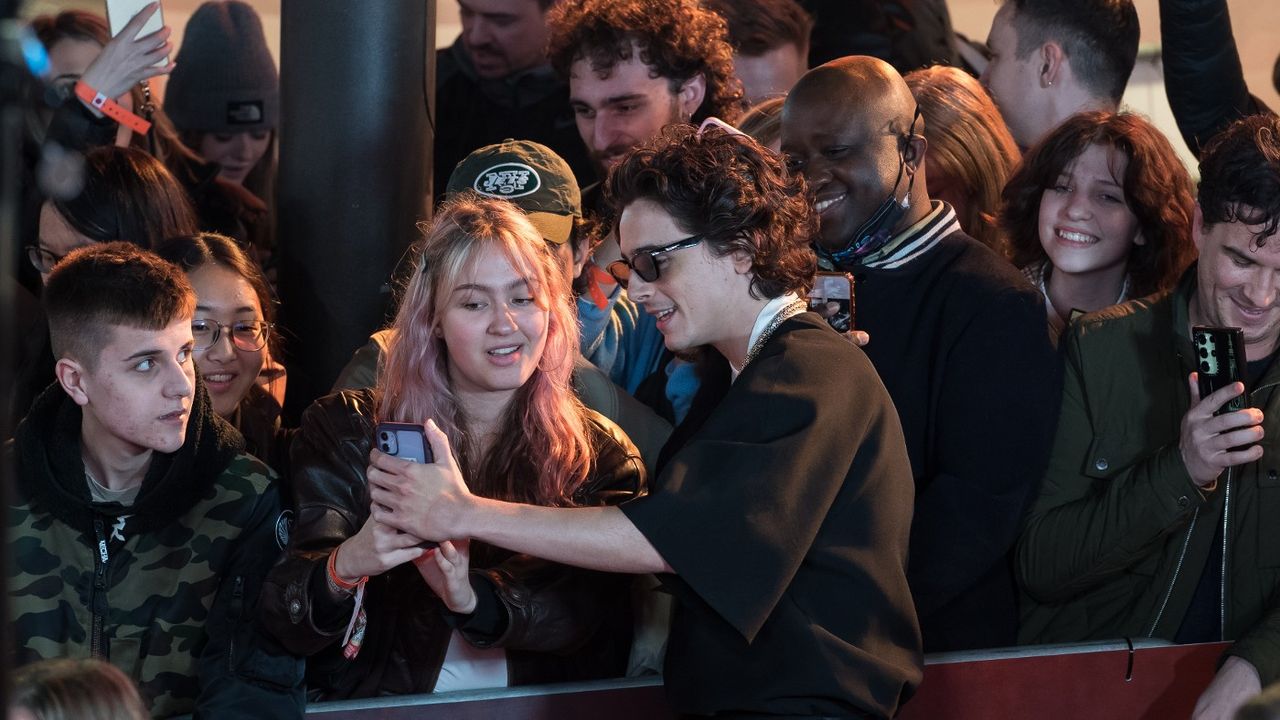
(957, 335)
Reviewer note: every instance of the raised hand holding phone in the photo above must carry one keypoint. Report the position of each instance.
(1211, 441)
(138, 50)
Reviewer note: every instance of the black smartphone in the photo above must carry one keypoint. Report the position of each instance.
(407, 441)
(403, 440)
(1220, 361)
(832, 297)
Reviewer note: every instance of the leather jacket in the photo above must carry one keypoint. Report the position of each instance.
(1203, 76)
(556, 623)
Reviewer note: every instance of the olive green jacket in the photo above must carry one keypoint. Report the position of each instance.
(1116, 541)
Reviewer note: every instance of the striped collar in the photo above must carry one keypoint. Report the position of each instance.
(913, 242)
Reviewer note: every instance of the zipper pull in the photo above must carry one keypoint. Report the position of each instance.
(104, 552)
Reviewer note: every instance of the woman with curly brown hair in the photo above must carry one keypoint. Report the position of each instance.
(779, 519)
(1099, 212)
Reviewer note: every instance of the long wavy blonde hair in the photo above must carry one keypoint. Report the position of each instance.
(542, 454)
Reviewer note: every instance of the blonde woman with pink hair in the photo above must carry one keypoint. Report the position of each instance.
(483, 346)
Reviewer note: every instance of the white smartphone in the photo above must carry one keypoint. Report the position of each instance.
(120, 12)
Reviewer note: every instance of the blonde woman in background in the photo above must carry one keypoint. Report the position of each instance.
(971, 153)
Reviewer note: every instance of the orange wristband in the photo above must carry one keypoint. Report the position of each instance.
(111, 108)
(334, 577)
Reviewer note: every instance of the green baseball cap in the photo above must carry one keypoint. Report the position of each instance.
(528, 174)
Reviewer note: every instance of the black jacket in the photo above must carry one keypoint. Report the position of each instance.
(472, 112)
(784, 512)
(1202, 73)
(556, 623)
(958, 337)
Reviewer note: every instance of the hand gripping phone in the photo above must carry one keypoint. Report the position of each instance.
(120, 12)
(406, 441)
(1220, 361)
(832, 297)
(403, 440)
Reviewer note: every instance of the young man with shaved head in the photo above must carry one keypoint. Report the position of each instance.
(957, 334)
(1051, 59)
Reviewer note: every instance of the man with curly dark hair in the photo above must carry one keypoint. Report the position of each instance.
(779, 521)
(1156, 517)
(957, 335)
(637, 65)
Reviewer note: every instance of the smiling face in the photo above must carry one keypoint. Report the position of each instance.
(1086, 226)
(622, 109)
(136, 396)
(698, 299)
(503, 36)
(228, 371)
(1238, 283)
(236, 153)
(493, 325)
(848, 152)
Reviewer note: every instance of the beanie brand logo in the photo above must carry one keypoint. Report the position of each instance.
(247, 112)
(508, 180)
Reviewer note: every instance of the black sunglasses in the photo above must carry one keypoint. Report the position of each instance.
(645, 262)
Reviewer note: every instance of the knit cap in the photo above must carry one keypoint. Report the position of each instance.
(225, 79)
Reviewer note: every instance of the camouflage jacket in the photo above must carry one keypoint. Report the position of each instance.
(164, 589)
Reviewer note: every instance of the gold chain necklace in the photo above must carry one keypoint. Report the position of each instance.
(785, 314)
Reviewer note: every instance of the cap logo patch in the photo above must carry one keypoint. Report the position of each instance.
(508, 180)
(244, 113)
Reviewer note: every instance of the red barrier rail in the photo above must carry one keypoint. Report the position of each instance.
(1152, 681)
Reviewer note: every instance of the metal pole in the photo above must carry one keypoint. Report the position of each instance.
(355, 146)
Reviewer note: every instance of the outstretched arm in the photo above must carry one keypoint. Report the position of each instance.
(432, 501)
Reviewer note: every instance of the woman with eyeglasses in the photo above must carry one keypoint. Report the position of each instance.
(126, 195)
(232, 329)
(484, 344)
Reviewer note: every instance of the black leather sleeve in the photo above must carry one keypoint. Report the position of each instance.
(552, 607)
(1202, 73)
(328, 458)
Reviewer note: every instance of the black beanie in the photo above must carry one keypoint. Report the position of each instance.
(224, 79)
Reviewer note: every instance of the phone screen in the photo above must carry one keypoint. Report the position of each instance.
(832, 298)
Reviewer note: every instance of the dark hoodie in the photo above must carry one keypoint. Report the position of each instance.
(164, 589)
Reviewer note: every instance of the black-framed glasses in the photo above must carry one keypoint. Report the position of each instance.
(43, 259)
(247, 336)
(645, 262)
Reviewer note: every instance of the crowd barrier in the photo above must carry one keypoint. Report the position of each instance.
(1138, 680)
